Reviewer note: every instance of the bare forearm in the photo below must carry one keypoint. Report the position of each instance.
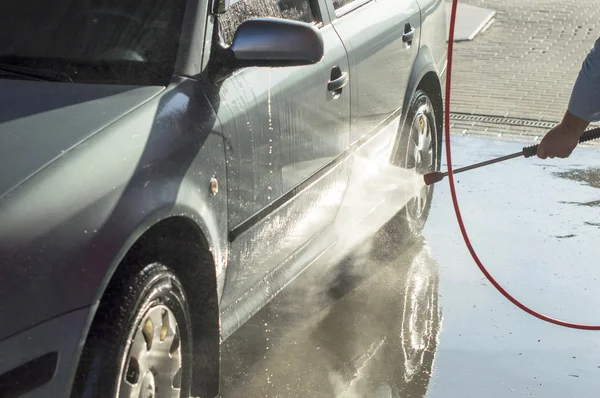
(574, 125)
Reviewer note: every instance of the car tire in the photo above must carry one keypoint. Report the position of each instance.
(140, 339)
(417, 150)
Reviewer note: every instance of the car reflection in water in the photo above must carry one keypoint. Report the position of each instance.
(366, 326)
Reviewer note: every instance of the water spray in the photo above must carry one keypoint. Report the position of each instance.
(527, 152)
(450, 176)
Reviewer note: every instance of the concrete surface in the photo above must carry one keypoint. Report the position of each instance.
(525, 64)
(419, 319)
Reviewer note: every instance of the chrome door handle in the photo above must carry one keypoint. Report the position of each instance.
(339, 83)
(409, 34)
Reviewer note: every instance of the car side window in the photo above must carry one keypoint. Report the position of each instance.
(340, 3)
(337, 4)
(243, 10)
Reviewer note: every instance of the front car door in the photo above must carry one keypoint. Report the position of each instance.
(286, 132)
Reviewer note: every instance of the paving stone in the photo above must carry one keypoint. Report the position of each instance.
(524, 65)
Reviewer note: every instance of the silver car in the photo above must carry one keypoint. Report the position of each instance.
(168, 167)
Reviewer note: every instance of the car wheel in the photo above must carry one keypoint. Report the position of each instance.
(140, 342)
(417, 151)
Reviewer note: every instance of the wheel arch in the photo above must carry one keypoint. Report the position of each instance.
(426, 76)
(183, 245)
(430, 83)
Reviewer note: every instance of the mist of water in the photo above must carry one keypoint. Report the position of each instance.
(377, 192)
(335, 340)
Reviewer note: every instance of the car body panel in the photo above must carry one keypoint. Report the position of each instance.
(433, 31)
(64, 230)
(27, 109)
(283, 126)
(327, 192)
(431, 59)
(380, 69)
(62, 335)
(379, 60)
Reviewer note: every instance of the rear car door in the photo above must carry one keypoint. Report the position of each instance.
(286, 131)
(382, 40)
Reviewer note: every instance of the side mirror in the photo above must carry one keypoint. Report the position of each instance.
(276, 42)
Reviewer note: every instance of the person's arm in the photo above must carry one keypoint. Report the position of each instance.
(584, 107)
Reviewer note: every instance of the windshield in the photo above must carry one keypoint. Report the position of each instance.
(97, 41)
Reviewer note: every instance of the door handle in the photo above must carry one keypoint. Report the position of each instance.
(336, 85)
(409, 34)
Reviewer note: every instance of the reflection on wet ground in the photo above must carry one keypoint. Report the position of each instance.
(344, 332)
(415, 320)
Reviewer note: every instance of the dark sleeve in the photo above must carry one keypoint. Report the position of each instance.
(585, 99)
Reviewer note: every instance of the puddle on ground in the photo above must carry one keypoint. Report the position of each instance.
(340, 332)
(547, 166)
(566, 236)
(593, 203)
(589, 176)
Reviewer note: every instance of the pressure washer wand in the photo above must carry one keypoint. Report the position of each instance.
(527, 152)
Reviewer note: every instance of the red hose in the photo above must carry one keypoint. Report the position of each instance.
(455, 200)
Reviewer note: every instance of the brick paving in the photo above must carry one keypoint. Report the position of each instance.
(524, 64)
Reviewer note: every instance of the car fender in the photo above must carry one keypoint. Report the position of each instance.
(65, 230)
(424, 63)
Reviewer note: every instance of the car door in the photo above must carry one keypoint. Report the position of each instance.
(382, 40)
(286, 131)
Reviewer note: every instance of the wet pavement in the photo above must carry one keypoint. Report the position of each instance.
(420, 319)
(516, 77)
(525, 64)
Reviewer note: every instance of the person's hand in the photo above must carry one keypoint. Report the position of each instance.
(563, 138)
(558, 143)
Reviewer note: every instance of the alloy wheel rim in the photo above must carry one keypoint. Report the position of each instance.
(420, 156)
(153, 357)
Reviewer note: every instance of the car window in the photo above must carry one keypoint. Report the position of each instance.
(243, 10)
(337, 4)
(100, 41)
(340, 3)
